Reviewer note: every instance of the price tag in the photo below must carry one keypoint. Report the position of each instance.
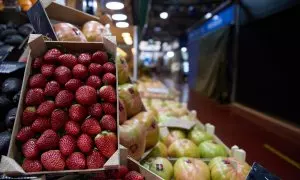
(258, 172)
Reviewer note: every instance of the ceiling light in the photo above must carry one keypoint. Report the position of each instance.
(119, 17)
(125, 34)
(122, 24)
(164, 15)
(208, 15)
(114, 5)
(183, 49)
(170, 54)
(127, 38)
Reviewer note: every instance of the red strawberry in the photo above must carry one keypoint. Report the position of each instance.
(30, 149)
(109, 68)
(91, 126)
(109, 79)
(37, 81)
(51, 56)
(72, 128)
(108, 122)
(53, 160)
(76, 161)
(67, 145)
(34, 96)
(25, 134)
(84, 59)
(86, 95)
(68, 60)
(95, 160)
(41, 124)
(95, 110)
(80, 71)
(37, 63)
(62, 74)
(64, 99)
(94, 81)
(133, 175)
(85, 143)
(95, 69)
(109, 108)
(77, 112)
(46, 108)
(118, 173)
(48, 70)
(48, 140)
(73, 84)
(58, 119)
(30, 165)
(52, 88)
(106, 142)
(29, 115)
(108, 94)
(100, 57)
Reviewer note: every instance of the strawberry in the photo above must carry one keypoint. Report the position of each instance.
(37, 81)
(95, 110)
(29, 115)
(106, 142)
(91, 126)
(48, 140)
(94, 81)
(53, 160)
(84, 59)
(85, 143)
(109, 108)
(86, 95)
(109, 68)
(37, 63)
(80, 71)
(58, 119)
(64, 99)
(76, 161)
(45, 108)
(72, 128)
(109, 79)
(68, 60)
(30, 165)
(108, 122)
(133, 175)
(73, 84)
(48, 70)
(41, 124)
(95, 160)
(77, 112)
(62, 75)
(51, 56)
(95, 69)
(67, 145)
(108, 94)
(100, 57)
(30, 149)
(34, 96)
(25, 134)
(117, 173)
(52, 88)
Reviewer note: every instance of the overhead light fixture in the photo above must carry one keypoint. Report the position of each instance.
(122, 24)
(119, 17)
(125, 34)
(128, 40)
(164, 15)
(114, 5)
(170, 54)
(208, 15)
(183, 49)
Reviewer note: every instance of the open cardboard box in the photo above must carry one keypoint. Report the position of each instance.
(10, 165)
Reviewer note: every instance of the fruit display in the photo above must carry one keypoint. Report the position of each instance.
(93, 31)
(69, 114)
(68, 32)
(210, 149)
(191, 168)
(160, 166)
(183, 148)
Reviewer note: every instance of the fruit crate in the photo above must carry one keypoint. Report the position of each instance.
(10, 165)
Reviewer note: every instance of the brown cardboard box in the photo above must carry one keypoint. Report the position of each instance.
(9, 165)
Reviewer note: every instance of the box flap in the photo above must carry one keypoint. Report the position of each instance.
(177, 123)
(9, 165)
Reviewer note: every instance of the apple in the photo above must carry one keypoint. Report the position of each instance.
(210, 149)
(197, 135)
(159, 150)
(191, 169)
(183, 148)
(160, 166)
(228, 168)
(93, 31)
(123, 71)
(173, 136)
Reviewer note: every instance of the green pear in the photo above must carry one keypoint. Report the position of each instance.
(210, 149)
(160, 166)
(197, 136)
(159, 150)
(183, 148)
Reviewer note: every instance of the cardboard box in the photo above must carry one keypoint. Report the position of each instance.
(9, 165)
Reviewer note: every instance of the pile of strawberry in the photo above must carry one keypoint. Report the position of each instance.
(68, 120)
